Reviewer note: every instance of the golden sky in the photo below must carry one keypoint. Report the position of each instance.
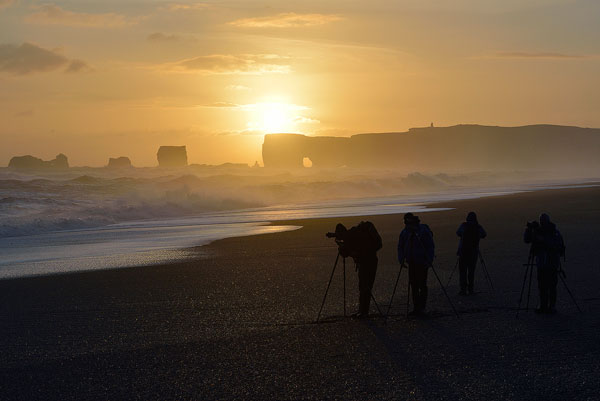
(96, 79)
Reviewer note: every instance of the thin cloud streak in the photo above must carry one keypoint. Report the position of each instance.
(257, 106)
(239, 88)
(537, 55)
(232, 64)
(163, 37)
(286, 20)
(226, 105)
(186, 7)
(51, 14)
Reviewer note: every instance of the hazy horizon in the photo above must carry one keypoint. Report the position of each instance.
(425, 167)
(95, 80)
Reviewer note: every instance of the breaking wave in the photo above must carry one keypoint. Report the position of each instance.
(87, 197)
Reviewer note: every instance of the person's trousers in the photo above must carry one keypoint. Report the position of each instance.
(547, 282)
(417, 278)
(466, 265)
(367, 269)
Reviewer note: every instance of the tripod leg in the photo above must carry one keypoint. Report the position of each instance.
(529, 290)
(528, 266)
(344, 261)
(393, 293)
(570, 293)
(376, 305)
(485, 271)
(408, 295)
(328, 285)
(445, 293)
(440, 281)
(452, 274)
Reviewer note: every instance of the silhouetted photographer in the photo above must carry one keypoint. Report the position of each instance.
(361, 243)
(470, 232)
(416, 248)
(547, 247)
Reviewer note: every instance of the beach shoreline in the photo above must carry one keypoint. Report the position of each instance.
(237, 322)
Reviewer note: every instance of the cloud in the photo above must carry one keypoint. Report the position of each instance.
(25, 113)
(305, 120)
(51, 14)
(29, 58)
(78, 66)
(6, 3)
(239, 88)
(162, 37)
(232, 64)
(186, 7)
(286, 20)
(227, 105)
(242, 132)
(537, 55)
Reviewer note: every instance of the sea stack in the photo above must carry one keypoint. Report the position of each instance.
(172, 156)
(119, 162)
(29, 162)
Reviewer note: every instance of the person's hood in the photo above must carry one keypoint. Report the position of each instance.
(544, 219)
(472, 218)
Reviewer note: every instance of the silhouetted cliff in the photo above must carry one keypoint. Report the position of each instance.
(172, 156)
(29, 162)
(460, 147)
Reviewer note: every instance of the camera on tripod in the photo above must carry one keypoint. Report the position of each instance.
(341, 235)
(533, 225)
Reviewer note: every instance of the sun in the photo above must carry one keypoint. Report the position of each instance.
(274, 117)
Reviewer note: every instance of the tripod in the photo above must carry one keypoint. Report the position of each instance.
(563, 276)
(394, 293)
(344, 281)
(483, 265)
(408, 292)
(529, 269)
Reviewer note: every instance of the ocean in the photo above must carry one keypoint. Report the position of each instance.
(66, 222)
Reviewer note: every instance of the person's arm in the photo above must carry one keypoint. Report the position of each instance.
(528, 236)
(429, 244)
(482, 233)
(461, 230)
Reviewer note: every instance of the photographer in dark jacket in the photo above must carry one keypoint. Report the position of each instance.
(547, 246)
(361, 242)
(470, 232)
(416, 248)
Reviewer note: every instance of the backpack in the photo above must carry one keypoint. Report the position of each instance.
(553, 243)
(373, 239)
(470, 238)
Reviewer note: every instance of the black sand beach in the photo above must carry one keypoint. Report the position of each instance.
(238, 322)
